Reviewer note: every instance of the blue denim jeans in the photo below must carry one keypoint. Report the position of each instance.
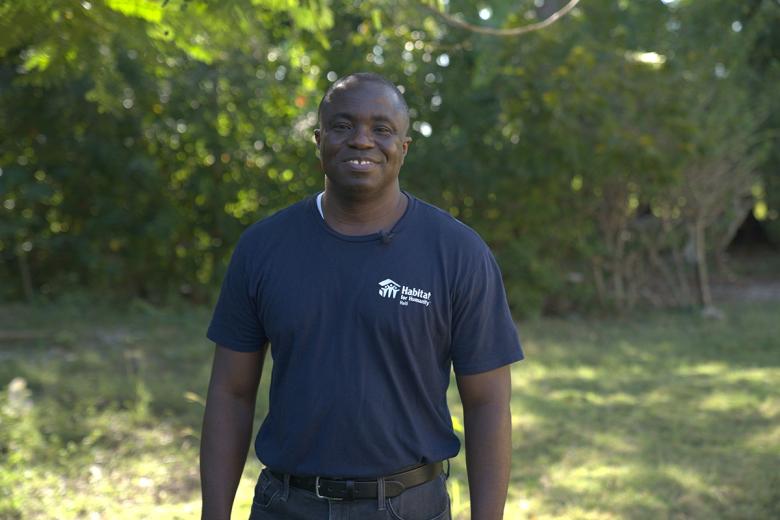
(275, 499)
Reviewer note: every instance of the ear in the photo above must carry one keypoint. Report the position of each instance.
(405, 144)
(317, 138)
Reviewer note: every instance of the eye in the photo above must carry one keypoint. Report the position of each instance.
(340, 126)
(383, 130)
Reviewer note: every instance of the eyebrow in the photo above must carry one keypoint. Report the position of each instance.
(375, 118)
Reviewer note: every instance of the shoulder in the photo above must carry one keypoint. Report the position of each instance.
(259, 241)
(452, 232)
(276, 225)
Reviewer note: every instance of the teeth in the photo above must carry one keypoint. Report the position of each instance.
(356, 161)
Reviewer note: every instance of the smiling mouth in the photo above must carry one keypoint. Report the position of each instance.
(359, 162)
(360, 165)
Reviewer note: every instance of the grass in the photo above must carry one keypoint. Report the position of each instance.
(662, 415)
(665, 416)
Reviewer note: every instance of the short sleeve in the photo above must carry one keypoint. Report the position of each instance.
(484, 335)
(235, 323)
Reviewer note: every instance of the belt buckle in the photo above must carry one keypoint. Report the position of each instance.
(317, 490)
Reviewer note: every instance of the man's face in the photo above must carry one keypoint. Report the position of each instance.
(362, 137)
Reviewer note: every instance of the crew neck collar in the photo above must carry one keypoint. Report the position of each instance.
(315, 210)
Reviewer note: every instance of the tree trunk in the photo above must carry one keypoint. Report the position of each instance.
(598, 279)
(742, 207)
(680, 270)
(24, 271)
(705, 297)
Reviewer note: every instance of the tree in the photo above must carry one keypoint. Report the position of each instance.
(585, 153)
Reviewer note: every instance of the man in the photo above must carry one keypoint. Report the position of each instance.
(367, 296)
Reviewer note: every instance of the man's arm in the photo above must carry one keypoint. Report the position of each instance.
(227, 427)
(488, 429)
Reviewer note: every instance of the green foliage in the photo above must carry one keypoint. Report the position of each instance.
(140, 138)
(135, 157)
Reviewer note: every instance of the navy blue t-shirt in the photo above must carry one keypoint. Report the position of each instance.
(363, 333)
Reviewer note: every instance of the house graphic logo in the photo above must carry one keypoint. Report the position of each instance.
(391, 290)
(388, 288)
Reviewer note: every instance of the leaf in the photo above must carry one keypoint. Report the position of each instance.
(37, 59)
(376, 18)
(144, 9)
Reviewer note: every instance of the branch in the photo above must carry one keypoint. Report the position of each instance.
(515, 31)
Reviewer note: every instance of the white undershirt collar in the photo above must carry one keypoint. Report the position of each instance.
(319, 204)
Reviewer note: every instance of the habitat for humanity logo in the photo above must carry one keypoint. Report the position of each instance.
(389, 289)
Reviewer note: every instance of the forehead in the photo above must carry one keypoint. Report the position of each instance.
(363, 99)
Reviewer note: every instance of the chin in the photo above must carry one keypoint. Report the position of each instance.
(359, 186)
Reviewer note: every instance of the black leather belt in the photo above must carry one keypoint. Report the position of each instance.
(352, 489)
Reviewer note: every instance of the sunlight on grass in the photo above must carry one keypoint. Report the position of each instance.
(613, 443)
(767, 440)
(753, 375)
(770, 408)
(725, 401)
(687, 478)
(704, 369)
(588, 478)
(101, 418)
(609, 399)
(658, 397)
(523, 420)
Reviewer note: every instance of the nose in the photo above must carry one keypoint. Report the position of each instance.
(361, 138)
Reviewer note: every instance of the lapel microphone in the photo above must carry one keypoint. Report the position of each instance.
(385, 237)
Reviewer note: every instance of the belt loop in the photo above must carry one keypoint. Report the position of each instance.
(448, 469)
(286, 488)
(380, 493)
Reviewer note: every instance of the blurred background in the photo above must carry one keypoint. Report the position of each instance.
(620, 157)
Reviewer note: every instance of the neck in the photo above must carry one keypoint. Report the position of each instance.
(357, 214)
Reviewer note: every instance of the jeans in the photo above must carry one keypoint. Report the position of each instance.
(277, 500)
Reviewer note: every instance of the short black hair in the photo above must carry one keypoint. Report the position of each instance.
(359, 77)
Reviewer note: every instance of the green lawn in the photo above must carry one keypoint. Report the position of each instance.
(661, 415)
